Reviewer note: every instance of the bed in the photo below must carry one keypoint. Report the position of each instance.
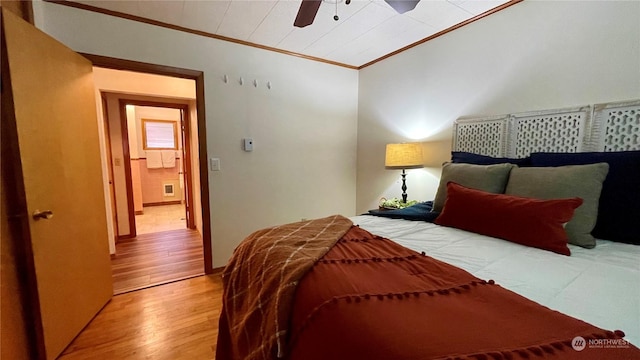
(541, 286)
(608, 273)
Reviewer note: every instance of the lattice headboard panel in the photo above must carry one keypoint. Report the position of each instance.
(485, 136)
(617, 126)
(601, 127)
(548, 131)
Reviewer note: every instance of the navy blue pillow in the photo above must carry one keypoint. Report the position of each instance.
(619, 206)
(477, 159)
(417, 212)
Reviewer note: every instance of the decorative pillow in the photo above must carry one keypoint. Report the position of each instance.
(619, 207)
(583, 181)
(531, 222)
(490, 178)
(471, 158)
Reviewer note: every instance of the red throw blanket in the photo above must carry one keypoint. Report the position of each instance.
(260, 281)
(370, 298)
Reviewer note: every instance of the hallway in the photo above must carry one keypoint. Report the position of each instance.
(156, 258)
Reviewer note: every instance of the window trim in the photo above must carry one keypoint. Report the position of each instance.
(144, 134)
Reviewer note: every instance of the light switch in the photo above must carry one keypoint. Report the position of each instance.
(214, 164)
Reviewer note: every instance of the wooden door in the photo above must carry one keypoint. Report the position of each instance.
(58, 169)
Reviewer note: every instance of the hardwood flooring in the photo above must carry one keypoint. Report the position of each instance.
(156, 258)
(169, 322)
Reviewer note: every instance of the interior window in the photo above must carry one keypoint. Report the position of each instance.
(159, 134)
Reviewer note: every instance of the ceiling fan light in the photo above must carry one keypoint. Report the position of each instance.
(402, 6)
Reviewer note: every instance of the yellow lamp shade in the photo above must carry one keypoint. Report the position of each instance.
(404, 156)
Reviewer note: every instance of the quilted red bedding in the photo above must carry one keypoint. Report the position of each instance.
(369, 298)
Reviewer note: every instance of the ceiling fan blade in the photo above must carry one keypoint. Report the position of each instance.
(307, 12)
(402, 6)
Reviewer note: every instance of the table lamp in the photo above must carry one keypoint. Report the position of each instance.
(404, 156)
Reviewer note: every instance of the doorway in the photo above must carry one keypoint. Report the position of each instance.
(158, 175)
(158, 239)
(159, 178)
(195, 216)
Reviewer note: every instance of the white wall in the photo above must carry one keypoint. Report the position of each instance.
(304, 127)
(530, 56)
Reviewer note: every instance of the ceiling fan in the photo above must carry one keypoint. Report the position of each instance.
(309, 9)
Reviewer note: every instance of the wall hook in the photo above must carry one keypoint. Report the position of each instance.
(225, 78)
(241, 81)
(269, 85)
(255, 83)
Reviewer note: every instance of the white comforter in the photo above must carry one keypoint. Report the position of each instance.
(600, 286)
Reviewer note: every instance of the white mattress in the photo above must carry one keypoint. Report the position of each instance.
(600, 286)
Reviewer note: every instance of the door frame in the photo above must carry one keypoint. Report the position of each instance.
(198, 77)
(108, 153)
(186, 161)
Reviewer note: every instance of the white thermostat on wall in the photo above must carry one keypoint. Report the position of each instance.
(247, 144)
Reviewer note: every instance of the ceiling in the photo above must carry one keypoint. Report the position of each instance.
(367, 29)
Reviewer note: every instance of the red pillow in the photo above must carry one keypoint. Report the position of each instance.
(526, 221)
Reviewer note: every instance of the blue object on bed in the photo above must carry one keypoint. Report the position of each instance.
(417, 212)
(619, 207)
(477, 159)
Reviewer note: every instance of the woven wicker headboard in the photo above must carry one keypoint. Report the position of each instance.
(599, 127)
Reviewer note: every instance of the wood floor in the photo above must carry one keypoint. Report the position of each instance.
(156, 258)
(177, 320)
(174, 321)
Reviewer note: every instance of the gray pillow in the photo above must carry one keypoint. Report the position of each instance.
(489, 178)
(583, 181)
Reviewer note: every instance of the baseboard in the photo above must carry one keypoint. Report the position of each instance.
(216, 271)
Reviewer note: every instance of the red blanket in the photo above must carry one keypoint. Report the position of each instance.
(370, 298)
